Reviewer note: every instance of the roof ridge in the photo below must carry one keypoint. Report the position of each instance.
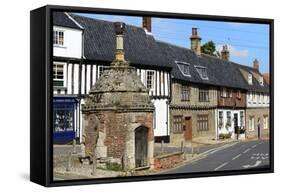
(209, 56)
(106, 21)
(73, 20)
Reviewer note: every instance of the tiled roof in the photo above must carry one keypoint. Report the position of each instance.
(143, 50)
(62, 19)
(140, 48)
(220, 72)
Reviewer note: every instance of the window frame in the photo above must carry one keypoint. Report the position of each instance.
(182, 66)
(185, 93)
(228, 118)
(265, 121)
(203, 75)
(202, 122)
(251, 123)
(57, 34)
(55, 74)
(177, 124)
(147, 72)
(206, 95)
(221, 120)
(250, 79)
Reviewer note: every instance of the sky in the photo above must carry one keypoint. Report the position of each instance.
(246, 41)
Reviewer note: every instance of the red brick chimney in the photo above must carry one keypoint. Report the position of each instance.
(195, 42)
(256, 64)
(146, 23)
(225, 53)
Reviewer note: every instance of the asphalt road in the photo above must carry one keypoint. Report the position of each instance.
(236, 156)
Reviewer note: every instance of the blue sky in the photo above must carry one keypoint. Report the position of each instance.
(246, 41)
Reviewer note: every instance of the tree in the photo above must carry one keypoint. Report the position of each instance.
(209, 48)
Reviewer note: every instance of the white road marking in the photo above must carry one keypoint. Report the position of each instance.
(222, 165)
(260, 143)
(251, 166)
(254, 146)
(236, 156)
(212, 151)
(246, 150)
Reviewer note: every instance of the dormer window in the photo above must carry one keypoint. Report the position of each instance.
(250, 79)
(58, 38)
(261, 81)
(202, 72)
(184, 67)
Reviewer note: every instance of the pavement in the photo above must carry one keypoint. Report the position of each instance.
(233, 156)
(198, 148)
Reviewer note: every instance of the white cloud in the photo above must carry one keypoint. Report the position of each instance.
(234, 51)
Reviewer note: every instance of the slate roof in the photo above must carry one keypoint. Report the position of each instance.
(61, 19)
(220, 72)
(144, 51)
(140, 48)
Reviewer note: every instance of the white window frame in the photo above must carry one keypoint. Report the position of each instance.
(223, 92)
(200, 72)
(101, 70)
(182, 66)
(250, 79)
(265, 122)
(261, 81)
(56, 42)
(63, 73)
(251, 123)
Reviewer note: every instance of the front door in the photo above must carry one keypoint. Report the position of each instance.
(259, 128)
(188, 129)
(141, 144)
(236, 128)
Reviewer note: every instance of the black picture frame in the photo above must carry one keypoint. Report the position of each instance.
(41, 149)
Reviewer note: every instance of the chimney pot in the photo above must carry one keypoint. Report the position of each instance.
(225, 53)
(146, 23)
(119, 28)
(256, 64)
(194, 31)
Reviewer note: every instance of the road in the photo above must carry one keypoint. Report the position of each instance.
(237, 156)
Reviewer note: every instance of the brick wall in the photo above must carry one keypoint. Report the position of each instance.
(168, 161)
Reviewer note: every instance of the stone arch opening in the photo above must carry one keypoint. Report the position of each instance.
(141, 146)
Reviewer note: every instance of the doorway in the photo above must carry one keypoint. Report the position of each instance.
(259, 128)
(188, 129)
(141, 145)
(236, 127)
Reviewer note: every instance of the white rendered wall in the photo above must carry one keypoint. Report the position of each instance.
(161, 117)
(255, 99)
(231, 128)
(72, 43)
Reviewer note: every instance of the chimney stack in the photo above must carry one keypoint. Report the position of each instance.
(195, 42)
(119, 31)
(146, 24)
(225, 53)
(256, 64)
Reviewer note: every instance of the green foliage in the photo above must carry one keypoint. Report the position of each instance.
(209, 48)
(224, 135)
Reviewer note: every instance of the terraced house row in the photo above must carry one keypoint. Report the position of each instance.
(195, 95)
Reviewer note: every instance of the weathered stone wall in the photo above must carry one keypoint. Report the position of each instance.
(177, 138)
(194, 96)
(257, 113)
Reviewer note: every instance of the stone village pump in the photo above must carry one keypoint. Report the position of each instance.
(118, 114)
